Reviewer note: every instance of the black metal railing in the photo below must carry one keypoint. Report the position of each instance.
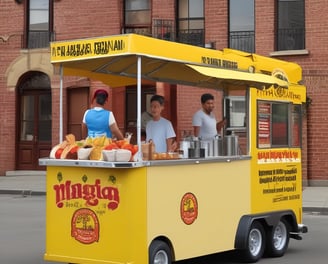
(145, 31)
(163, 29)
(39, 39)
(192, 36)
(291, 39)
(242, 40)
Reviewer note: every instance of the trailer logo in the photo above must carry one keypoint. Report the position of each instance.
(280, 74)
(85, 226)
(91, 193)
(188, 208)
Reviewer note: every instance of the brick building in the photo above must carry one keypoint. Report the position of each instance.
(29, 87)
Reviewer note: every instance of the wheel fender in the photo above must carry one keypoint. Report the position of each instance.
(270, 219)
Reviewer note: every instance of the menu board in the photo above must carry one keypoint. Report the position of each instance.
(264, 124)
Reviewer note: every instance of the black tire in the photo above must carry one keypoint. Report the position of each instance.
(278, 239)
(159, 253)
(255, 244)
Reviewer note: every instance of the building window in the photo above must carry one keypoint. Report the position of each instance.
(137, 17)
(39, 23)
(291, 25)
(241, 25)
(191, 22)
(235, 112)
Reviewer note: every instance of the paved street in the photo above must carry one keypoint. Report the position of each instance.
(22, 236)
(22, 229)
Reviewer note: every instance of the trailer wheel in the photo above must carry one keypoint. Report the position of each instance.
(278, 239)
(159, 253)
(255, 244)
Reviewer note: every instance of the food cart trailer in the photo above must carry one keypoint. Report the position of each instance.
(161, 211)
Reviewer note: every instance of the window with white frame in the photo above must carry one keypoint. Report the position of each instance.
(235, 112)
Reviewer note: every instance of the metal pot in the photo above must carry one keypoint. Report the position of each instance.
(195, 150)
(207, 145)
(231, 145)
(184, 146)
(217, 146)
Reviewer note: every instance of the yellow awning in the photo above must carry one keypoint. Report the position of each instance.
(124, 73)
(234, 77)
(113, 60)
(117, 56)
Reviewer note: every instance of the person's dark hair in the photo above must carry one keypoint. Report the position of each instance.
(101, 96)
(205, 97)
(101, 99)
(157, 98)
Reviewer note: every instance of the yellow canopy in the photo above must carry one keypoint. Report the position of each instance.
(124, 60)
(239, 78)
(113, 60)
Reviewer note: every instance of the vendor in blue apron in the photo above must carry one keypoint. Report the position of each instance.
(98, 121)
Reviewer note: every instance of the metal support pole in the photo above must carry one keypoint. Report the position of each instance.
(139, 107)
(61, 104)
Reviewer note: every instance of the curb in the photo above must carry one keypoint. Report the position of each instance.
(23, 192)
(316, 210)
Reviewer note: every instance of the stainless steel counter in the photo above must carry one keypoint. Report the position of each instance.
(135, 164)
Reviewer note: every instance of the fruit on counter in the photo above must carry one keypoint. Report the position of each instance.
(72, 153)
(111, 146)
(58, 153)
(135, 149)
(122, 142)
(69, 148)
(96, 153)
(131, 147)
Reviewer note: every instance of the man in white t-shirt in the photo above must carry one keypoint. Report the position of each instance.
(159, 129)
(204, 120)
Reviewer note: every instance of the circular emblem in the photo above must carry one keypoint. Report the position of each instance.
(188, 208)
(85, 226)
(279, 92)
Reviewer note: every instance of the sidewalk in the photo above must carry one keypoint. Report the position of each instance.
(24, 183)
(315, 199)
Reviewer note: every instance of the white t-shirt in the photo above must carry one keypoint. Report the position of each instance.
(158, 132)
(207, 124)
